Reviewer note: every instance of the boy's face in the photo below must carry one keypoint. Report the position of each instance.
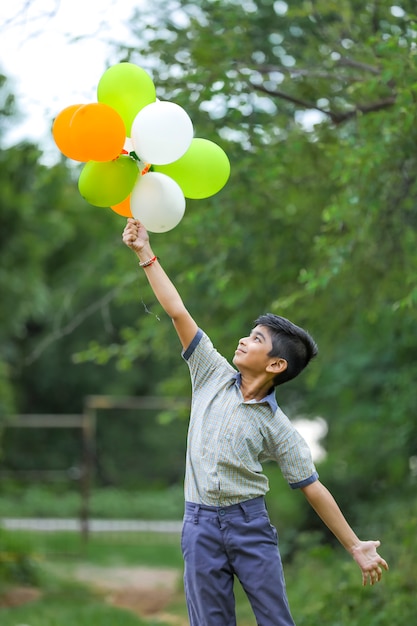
(252, 352)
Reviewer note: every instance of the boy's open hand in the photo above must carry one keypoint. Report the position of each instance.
(370, 562)
(135, 235)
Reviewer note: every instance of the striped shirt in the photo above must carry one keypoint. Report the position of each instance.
(229, 439)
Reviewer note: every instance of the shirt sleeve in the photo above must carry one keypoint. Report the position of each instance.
(292, 453)
(204, 361)
(303, 483)
(189, 351)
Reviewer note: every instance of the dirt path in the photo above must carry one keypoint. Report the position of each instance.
(145, 591)
(17, 596)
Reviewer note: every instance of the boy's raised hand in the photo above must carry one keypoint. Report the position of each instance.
(135, 235)
(370, 562)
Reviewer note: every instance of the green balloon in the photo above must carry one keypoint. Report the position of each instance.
(108, 183)
(127, 88)
(201, 172)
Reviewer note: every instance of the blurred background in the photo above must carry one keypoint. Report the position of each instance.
(315, 104)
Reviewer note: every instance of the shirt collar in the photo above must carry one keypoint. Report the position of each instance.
(269, 398)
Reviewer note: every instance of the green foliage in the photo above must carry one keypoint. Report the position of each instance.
(18, 562)
(105, 503)
(62, 552)
(318, 220)
(38, 501)
(113, 503)
(315, 105)
(323, 583)
(68, 606)
(339, 598)
(132, 449)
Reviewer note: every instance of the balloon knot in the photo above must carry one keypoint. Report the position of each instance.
(146, 169)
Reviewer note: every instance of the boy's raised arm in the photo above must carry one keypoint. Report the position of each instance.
(136, 237)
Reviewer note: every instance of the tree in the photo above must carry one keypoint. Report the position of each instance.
(315, 105)
(328, 208)
(60, 277)
(48, 289)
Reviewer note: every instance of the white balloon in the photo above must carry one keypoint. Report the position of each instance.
(161, 133)
(158, 202)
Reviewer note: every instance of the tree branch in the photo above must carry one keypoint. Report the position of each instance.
(21, 17)
(385, 103)
(268, 69)
(311, 73)
(337, 117)
(346, 62)
(77, 320)
(284, 96)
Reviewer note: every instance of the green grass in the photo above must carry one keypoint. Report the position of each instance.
(108, 503)
(70, 605)
(106, 549)
(325, 588)
(323, 583)
(65, 602)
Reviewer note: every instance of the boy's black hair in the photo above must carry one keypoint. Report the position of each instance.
(290, 342)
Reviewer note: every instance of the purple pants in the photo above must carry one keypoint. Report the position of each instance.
(221, 542)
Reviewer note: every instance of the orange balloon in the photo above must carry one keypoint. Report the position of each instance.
(123, 208)
(61, 131)
(99, 130)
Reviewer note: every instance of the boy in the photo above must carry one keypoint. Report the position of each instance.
(235, 424)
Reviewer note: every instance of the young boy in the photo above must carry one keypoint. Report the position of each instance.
(235, 425)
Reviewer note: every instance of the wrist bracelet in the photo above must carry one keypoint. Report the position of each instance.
(148, 262)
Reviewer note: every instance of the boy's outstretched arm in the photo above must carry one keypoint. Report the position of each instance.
(363, 552)
(136, 237)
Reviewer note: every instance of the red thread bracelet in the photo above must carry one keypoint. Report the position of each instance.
(148, 262)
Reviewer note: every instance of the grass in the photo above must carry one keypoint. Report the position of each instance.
(107, 503)
(70, 605)
(65, 602)
(106, 549)
(324, 585)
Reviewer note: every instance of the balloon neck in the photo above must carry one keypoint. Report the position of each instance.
(146, 169)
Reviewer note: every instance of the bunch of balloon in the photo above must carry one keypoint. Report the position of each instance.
(140, 156)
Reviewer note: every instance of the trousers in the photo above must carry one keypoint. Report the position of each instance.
(219, 543)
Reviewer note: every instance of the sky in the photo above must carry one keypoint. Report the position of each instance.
(55, 52)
